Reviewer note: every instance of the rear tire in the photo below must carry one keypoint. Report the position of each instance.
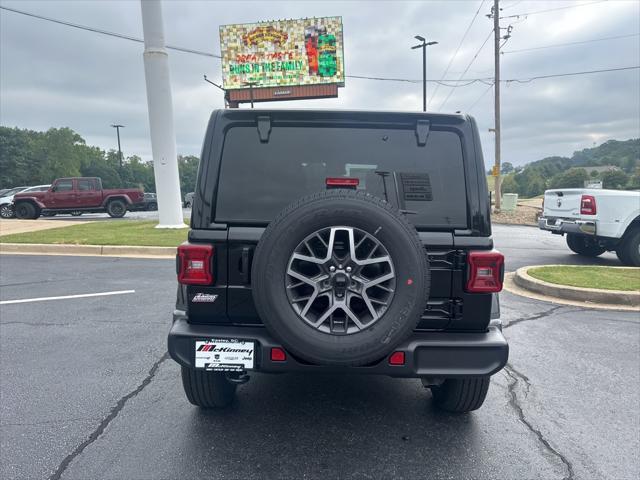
(152, 207)
(27, 211)
(76, 213)
(583, 245)
(207, 389)
(629, 249)
(116, 208)
(461, 395)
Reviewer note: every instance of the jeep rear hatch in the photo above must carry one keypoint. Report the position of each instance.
(259, 178)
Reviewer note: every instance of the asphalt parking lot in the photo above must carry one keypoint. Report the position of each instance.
(87, 391)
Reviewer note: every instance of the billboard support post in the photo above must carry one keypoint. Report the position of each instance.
(163, 139)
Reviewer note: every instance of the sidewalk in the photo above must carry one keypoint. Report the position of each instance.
(13, 225)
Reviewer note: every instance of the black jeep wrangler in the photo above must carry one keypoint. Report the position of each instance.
(340, 241)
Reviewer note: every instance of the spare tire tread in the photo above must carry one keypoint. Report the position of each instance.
(362, 352)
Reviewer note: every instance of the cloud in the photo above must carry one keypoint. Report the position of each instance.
(51, 75)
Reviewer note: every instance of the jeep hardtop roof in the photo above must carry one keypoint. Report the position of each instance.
(255, 162)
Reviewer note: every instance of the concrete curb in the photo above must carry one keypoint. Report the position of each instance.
(90, 250)
(591, 295)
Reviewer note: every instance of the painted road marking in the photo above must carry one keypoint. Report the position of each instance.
(66, 297)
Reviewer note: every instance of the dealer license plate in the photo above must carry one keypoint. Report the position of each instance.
(225, 355)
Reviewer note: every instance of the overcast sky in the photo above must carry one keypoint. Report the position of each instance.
(55, 76)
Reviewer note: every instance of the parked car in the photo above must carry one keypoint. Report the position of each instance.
(76, 195)
(3, 191)
(6, 201)
(188, 200)
(149, 203)
(595, 221)
(360, 243)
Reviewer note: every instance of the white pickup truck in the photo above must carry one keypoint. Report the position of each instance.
(595, 221)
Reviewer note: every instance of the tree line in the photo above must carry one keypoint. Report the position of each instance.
(571, 172)
(28, 157)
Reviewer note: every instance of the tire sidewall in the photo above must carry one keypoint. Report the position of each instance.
(111, 205)
(7, 211)
(374, 342)
(25, 211)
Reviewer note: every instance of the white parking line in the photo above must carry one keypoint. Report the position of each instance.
(65, 297)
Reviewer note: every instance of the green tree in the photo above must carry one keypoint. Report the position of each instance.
(509, 184)
(634, 180)
(572, 178)
(506, 167)
(615, 179)
(188, 167)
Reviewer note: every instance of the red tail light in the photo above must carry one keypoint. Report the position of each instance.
(194, 264)
(342, 182)
(587, 205)
(485, 271)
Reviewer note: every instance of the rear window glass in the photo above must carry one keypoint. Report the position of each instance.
(257, 179)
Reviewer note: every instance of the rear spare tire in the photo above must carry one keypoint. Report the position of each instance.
(340, 278)
(116, 208)
(583, 245)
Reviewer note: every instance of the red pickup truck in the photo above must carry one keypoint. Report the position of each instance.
(81, 194)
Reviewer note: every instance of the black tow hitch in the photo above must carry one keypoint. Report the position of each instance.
(238, 378)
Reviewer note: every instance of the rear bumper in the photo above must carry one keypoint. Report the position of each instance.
(427, 354)
(567, 225)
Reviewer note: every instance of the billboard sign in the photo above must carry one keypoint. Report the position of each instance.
(282, 53)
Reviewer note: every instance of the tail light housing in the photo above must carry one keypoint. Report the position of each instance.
(194, 264)
(485, 271)
(588, 205)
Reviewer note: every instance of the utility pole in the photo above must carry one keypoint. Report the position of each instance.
(118, 127)
(159, 102)
(496, 89)
(423, 46)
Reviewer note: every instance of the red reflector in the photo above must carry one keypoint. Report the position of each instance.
(485, 271)
(194, 267)
(396, 358)
(342, 182)
(278, 354)
(588, 205)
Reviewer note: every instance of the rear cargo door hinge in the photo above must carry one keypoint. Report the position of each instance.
(422, 131)
(459, 259)
(264, 128)
(455, 308)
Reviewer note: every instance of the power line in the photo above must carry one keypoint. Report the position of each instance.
(517, 15)
(460, 83)
(467, 69)
(464, 36)
(479, 98)
(570, 74)
(106, 32)
(456, 82)
(571, 43)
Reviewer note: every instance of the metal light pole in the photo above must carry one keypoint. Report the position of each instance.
(163, 138)
(423, 46)
(118, 127)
